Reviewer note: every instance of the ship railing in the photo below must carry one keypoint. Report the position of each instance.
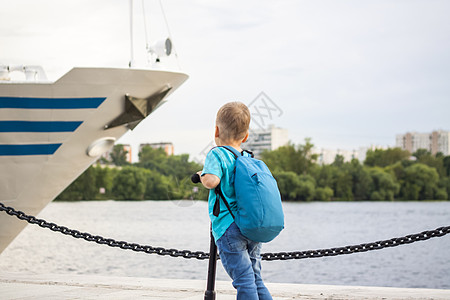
(33, 73)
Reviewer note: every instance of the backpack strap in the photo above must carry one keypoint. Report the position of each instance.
(218, 191)
(216, 209)
(237, 153)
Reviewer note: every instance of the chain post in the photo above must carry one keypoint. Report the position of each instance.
(210, 293)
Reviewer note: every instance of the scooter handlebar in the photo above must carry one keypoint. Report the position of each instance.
(195, 178)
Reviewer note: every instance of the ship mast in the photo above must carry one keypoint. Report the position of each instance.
(131, 63)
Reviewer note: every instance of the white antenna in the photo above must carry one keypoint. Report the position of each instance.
(144, 17)
(170, 35)
(131, 64)
(158, 49)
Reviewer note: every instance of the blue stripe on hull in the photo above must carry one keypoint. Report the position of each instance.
(39, 126)
(36, 149)
(50, 103)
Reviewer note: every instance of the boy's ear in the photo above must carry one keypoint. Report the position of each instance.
(216, 134)
(245, 138)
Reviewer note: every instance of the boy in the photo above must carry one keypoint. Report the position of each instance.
(240, 256)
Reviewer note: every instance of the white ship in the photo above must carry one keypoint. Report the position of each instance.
(50, 132)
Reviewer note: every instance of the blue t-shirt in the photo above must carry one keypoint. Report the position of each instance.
(221, 162)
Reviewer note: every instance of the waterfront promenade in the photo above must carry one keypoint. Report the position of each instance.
(48, 286)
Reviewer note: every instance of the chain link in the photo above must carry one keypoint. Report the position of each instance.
(441, 231)
(425, 235)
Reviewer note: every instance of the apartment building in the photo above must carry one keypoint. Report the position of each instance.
(436, 141)
(270, 139)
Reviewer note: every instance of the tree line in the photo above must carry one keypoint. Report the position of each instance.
(385, 174)
(157, 176)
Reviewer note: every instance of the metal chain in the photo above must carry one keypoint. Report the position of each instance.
(101, 240)
(425, 235)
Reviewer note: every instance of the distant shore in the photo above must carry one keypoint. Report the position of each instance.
(385, 175)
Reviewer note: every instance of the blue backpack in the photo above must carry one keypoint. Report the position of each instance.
(259, 213)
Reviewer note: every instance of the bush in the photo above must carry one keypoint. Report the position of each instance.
(323, 194)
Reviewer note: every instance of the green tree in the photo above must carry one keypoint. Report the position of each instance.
(280, 160)
(361, 179)
(435, 161)
(325, 175)
(342, 179)
(298, 159)
(361, 183)
(119, 155)
(383, 158)
(104, 177)
(446, 164)
(288, 184)
(130, 184)
(180, 167)
(421, 183)
(177, 166)
(384, 186)
(343, 185)
(421, 153)
(338, 161)
(306, 191)
(323, 193)
(444, 188)
(153, 159)
(397, 170)
(295, 187)
(157, 186)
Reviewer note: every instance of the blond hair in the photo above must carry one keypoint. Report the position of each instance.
(233, 120)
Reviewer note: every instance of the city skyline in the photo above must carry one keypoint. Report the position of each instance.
(327, 153)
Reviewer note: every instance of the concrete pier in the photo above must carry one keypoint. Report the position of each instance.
(51, 286)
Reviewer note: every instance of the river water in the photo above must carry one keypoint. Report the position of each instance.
(185, 225)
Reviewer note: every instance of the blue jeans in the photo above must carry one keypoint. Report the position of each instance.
(242, 260)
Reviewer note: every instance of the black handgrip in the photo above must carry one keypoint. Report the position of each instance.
(195, 178)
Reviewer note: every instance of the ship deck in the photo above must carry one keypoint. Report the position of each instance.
(51, 286)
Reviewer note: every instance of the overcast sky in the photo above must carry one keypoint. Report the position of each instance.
(347, 74)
